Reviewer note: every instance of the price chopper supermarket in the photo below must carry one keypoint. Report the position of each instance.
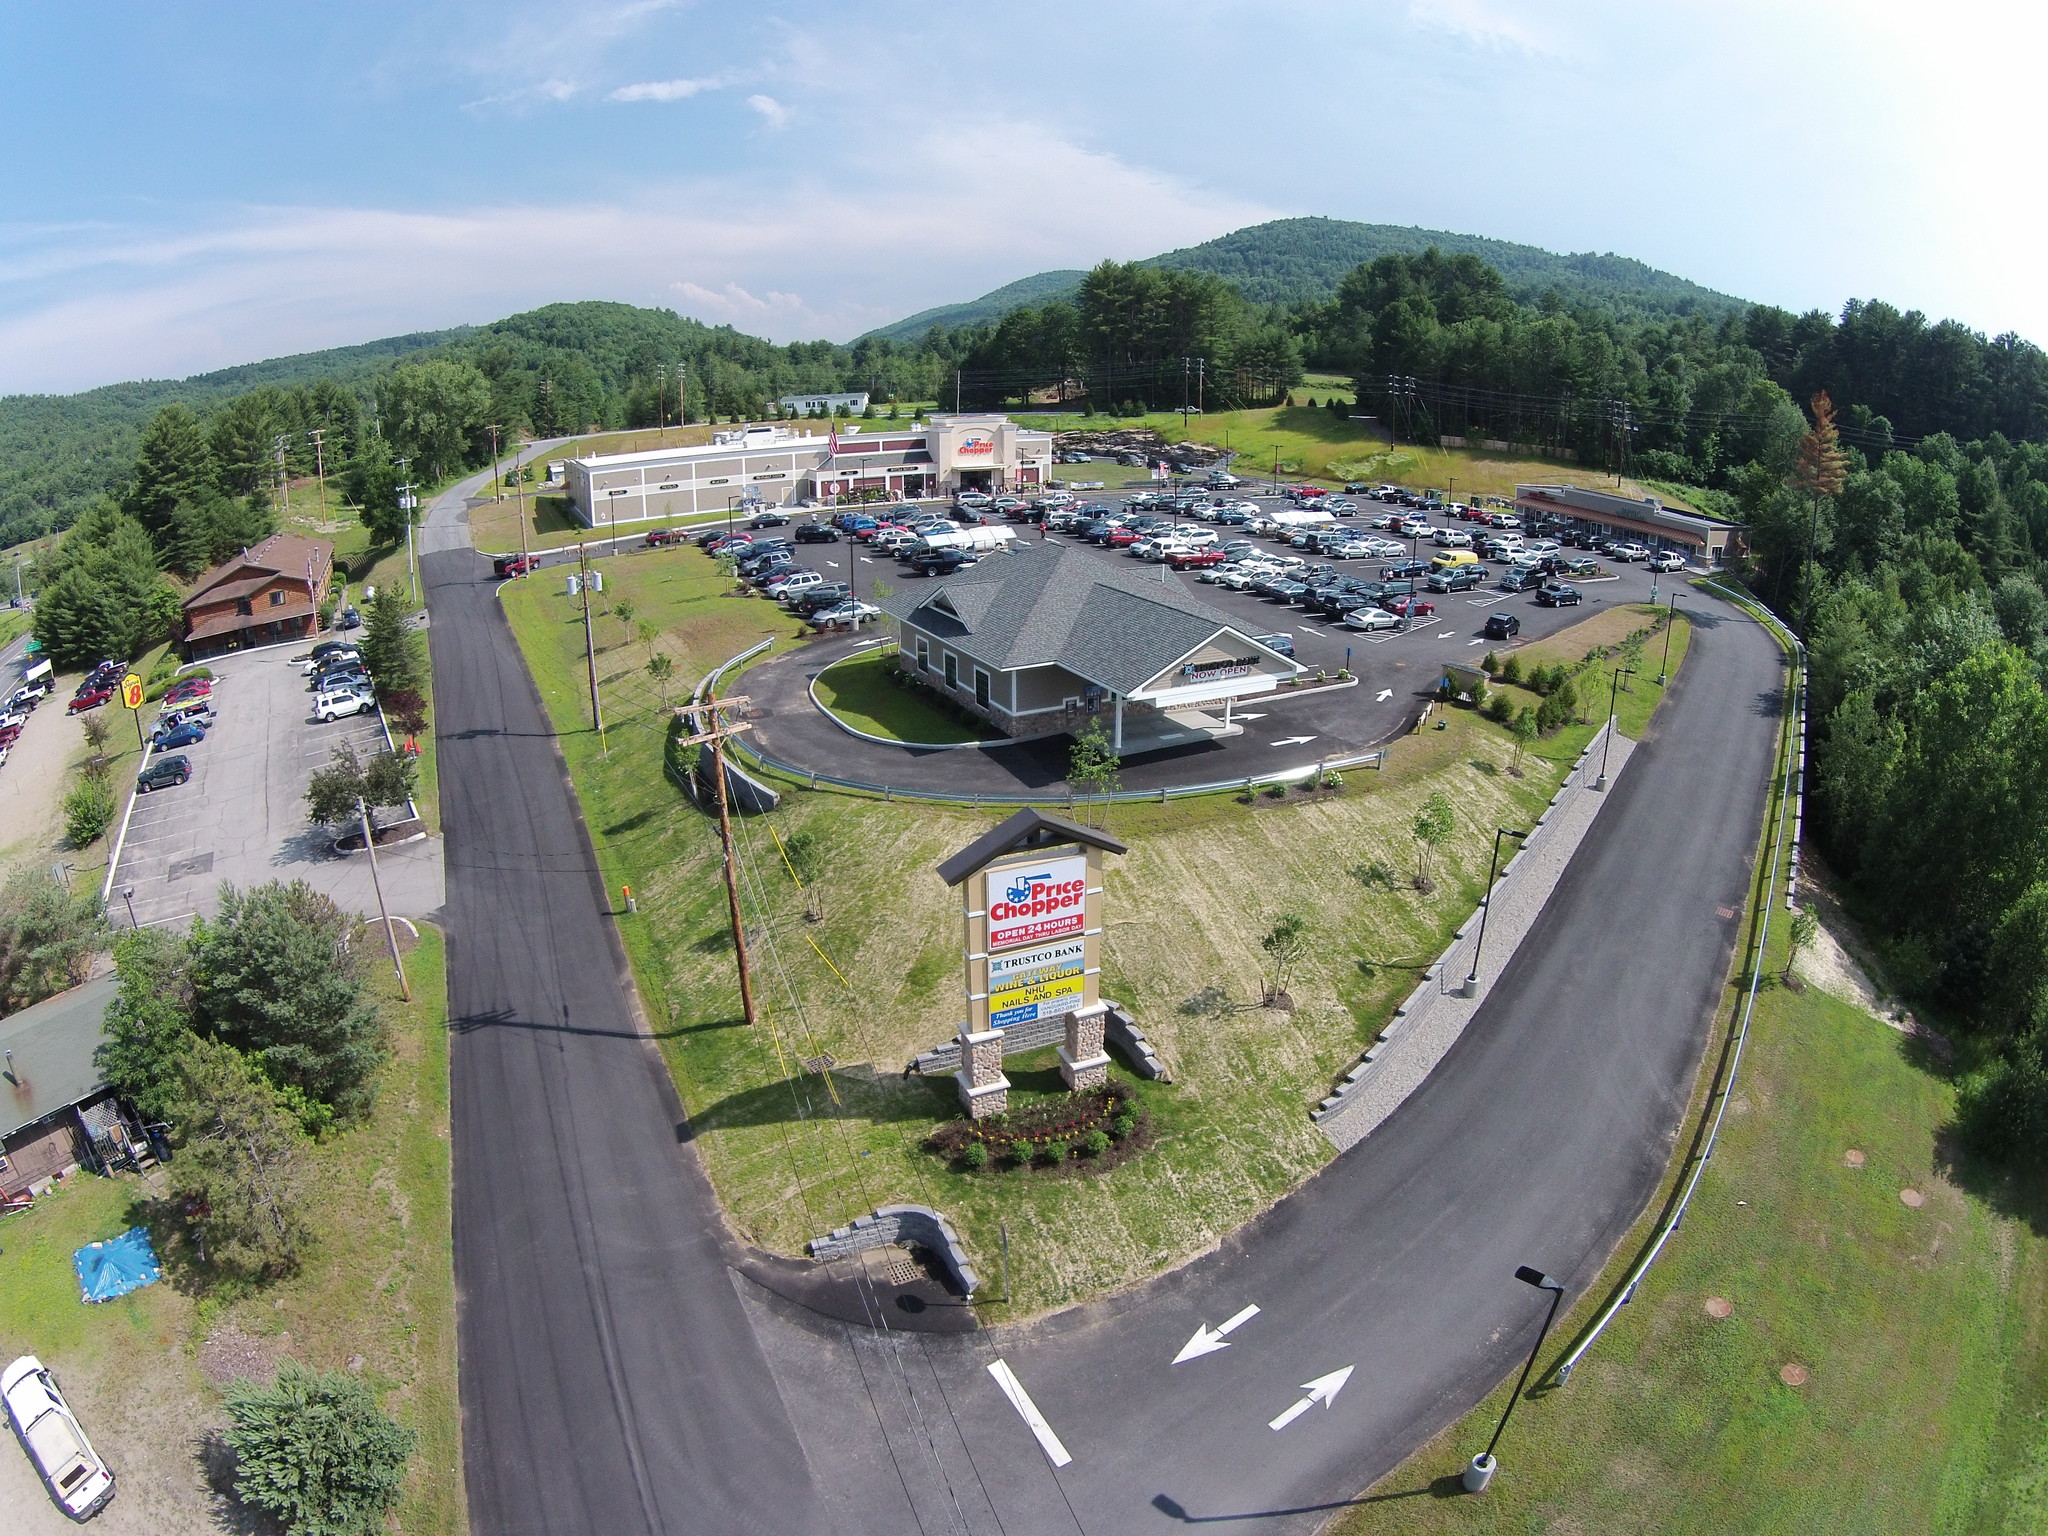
(773, 466)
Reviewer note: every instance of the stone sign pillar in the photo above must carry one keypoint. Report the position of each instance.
(1083, 1061)
(1031, 910)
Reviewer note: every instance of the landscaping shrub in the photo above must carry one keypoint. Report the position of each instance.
(976, 1155)
(88, 810)
(1030, 1132)
(1054, 1153)
(1276, 791)
(1500, 708)
(1491, 665)
(1095, 1143)
(1511, 670)
(1124, 1124)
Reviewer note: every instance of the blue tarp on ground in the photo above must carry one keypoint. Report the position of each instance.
(117, 1266)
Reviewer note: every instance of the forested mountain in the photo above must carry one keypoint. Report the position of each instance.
(1301, 261)
(57, 452)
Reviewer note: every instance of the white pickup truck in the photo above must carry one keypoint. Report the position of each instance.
(977, 538)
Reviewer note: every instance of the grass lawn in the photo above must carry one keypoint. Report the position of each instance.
(377, 1292)
(1920, 1328)
(794, 1153)
(859, 692)
(1317, 445)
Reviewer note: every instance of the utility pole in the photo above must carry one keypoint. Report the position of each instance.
(1201, 389)
(682, 394)
(590, 644)
(519, 497)
(383, 912)
(284, 484)
(320, 466)
(715, 729)
(956, 391)
(497, 470)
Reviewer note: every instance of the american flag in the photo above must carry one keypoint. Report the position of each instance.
(832, 443)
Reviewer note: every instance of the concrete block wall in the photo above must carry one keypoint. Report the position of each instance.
(917, 1225)
(1120, 1033)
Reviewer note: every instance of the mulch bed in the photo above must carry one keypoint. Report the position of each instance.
(1018, 1139)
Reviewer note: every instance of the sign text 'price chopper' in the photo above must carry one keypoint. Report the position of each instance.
(1028, 904)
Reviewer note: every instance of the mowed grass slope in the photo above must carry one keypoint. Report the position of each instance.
(1921, 1329)
(795, 1152)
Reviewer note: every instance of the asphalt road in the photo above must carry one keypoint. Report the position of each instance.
(620, 1373)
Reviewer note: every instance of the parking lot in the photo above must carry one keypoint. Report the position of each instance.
(241, 817)
(1397, 671)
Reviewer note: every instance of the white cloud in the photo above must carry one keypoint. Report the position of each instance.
(249, 283)
(772, 110)
(1481, 24)
(664, 90)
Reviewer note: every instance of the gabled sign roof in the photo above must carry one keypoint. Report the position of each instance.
(1026, 830)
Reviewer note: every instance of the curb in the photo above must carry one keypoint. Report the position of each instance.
(918, 1224)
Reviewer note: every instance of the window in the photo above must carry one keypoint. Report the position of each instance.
(952, 671)
(924, 657)
(242, 608)
(981, 687)
(277, 599)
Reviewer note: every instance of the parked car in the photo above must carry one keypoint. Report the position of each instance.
(163, 773)
(1502, 626)
(767, 520)
(1410, 607)
(1667, 560)
(199, 710)
(339, 702)
(1282, 644)
(938, 562)
(793, 582)
(1369, 618)
(512, 565)
(1579, 567)
(191, 688)
(1459, 578)
(33, 689)
(337, 658)
(849, 612)
(1557, 594)
(77, 1478)
(817, 533)
(1631, 552)
(185, 733)
(830, 595)
(348, 618)
(89, 698)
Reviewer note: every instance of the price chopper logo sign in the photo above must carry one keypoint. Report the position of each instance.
(976, 445)
(1029, 905)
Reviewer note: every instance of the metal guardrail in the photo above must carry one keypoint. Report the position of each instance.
(1791, 753)
(815, 780)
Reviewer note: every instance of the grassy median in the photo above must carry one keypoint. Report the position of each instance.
(797, 1146)
(861, 692)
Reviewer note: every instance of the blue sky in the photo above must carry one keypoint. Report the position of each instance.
(198, 186)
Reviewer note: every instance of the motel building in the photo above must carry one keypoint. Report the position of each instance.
(779, 465)
(1039, 639)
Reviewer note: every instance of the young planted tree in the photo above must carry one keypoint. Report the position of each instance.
(240, 1163)
(662, 668)
(407, 710)
(805, 854)
(335, 793)
(1523, 729)
(623, 610)
(1805, 930)
(390, 645)
(649, 632)
(315, 1451)
(1432, 830)
(1092, 765)
(89, 808)
(1286, 944)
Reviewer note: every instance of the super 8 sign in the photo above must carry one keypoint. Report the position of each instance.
(1030, 903)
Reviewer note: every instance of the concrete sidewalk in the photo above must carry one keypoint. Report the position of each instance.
(1426, 1026)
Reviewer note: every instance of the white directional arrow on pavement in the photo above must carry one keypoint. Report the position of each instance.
(1447, 634)
(1292, 741)
(1323, 1389)
(1383, 695)
(1243, 714)
(833, 563)
(1208, 1340)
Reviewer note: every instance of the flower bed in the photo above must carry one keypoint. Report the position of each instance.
(1050, 1132)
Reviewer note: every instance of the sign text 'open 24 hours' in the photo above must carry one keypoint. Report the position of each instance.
(1030, 903)
(1040, 983)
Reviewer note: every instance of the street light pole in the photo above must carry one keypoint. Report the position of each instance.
(1471, 987)
(1670, 619)
(1607, 743)
(1480, 1473)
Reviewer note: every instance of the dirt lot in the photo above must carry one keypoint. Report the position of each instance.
(33, 781)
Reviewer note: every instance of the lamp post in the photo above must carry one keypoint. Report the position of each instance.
(1670, 619)
(128, 895)
(1607, 742)
(1471, 987)
(1483, 1466)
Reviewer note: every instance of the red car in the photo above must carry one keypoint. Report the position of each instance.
(91, 698)
(1122, 538)
(1197, 559)
(662, 536)
(189, 692)
(1409, 607)
(513, 565)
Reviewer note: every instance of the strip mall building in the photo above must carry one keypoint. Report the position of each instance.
(782, 466)
(1702, 540)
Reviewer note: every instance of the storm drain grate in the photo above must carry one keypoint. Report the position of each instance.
(900, 1269)
(198, 864)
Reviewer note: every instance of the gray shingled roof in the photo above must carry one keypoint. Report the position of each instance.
(1034, 605)
(53, 1043)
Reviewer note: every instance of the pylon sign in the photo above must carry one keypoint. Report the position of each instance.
(131, 691)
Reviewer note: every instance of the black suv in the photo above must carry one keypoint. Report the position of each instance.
(817, 533)
(1503, 626)
(163, 773)
(1557, 594)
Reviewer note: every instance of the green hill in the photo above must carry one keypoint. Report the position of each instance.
(1295, 261)
(57, 452)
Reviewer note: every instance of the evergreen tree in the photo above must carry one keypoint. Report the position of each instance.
(174, 463)
(241, 1162)
(391, 646)
(315, 1451)
(148, 1026)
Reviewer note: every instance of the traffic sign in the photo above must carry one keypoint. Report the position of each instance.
(131, 691)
